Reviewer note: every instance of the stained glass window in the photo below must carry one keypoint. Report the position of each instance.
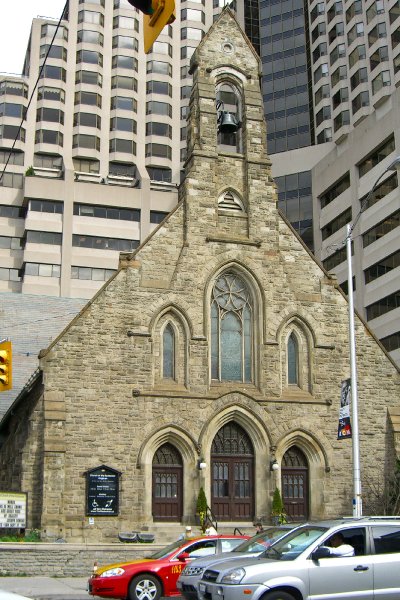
(292, 360)
(231, 330)
(168, 352)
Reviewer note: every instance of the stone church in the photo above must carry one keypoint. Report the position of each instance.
(213, 358)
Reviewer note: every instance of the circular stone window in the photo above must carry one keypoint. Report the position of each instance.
(227, 47)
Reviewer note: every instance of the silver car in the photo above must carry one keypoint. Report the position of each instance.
(191, 574)
(305, 565)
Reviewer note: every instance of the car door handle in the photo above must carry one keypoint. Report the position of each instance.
(361, 568)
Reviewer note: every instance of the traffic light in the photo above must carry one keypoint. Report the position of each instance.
(5, 366)
(156, 15)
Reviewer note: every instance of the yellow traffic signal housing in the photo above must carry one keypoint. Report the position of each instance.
(163, 14)
(5, 366)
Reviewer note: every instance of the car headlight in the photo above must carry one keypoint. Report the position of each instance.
(113, 572)
(234, 576)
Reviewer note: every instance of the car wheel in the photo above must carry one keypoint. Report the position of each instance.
(144, 587)
(277, 595)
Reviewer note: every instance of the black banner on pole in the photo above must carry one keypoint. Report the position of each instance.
(344, 428)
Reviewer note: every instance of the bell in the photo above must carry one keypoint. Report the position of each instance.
(227, 123)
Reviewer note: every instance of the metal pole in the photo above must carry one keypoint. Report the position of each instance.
(357, 500)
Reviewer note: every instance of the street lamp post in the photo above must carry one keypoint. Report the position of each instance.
(357, 498)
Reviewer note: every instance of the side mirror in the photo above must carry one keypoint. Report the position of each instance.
(321, 552)
(184, 556)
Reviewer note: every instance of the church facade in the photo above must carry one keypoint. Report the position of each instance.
(216, 352)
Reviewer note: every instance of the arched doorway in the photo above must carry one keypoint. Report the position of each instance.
(232, 459)
(295, 484)
(167, 484)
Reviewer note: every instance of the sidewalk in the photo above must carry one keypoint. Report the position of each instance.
(47, 588)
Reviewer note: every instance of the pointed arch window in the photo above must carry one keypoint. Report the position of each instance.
(231, 330)
(293, 360)
(169, 352)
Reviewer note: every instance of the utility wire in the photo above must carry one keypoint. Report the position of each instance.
(25, 112)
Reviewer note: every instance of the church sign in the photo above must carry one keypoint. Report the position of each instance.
(102, 497)
(12, 510)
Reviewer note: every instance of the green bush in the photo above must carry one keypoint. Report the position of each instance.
(278, 509)
(201, 508)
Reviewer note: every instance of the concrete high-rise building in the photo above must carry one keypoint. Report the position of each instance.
(105, 133)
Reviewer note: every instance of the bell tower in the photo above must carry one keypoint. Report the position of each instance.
(228, 186)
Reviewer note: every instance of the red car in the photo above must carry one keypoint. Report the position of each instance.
(156, 576)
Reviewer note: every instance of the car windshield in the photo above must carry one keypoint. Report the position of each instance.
(261, 541)
(293, 544)
(166, 550)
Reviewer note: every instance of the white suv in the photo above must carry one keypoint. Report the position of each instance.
(304, 565)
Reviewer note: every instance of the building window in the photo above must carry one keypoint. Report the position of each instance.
(42, 270)
(359, 101)
(46, 206)
(89, 77)
(107, 212)
(360, 76)
(376, 8)
(87, 120)
(162, 129)
(391, 342)
(89, 56)
(91, 273)
(12, 132)
(191, 33)
(11, 212)
(336, 224)
(381, 81)
(379, 31)
(126, 23)
(168, 352)
(380, 55)
(53, 115)
(125, 62)
(122, 169)
(90, 16)
(159, 87)
(11, 110)
(157, 216)
(355, 8)
(44, 237)
(90, 37)
(80, 140)
(120, 145)
(158, 108)
(339, 75)
(48, 136)
(12, 180)
(160, 150)
(356, 31)
(13, 88)
(48, 161)
(231, 330)
(51, 93)
(341, 120)
(386, 187)
(376, 156)
(9, 274)
(394, 12)
(159, 67)
(382, 267)
(229, 96)
(160, 174)
(59, 33)
(123, 103)
(341, 96)
(86, 165)
(383, 306)
(335, 190)
(383, 228)
(10, 243)
(124, 83)
(292, 360)
(52, 72)
(102, 243)
(88, 98)
(126, 42)
(14, 157)
(162, 48)
(358, 53)
(122, 124)
(336, 258)
(53, 52)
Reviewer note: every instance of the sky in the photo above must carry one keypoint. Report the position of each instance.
(15, 26)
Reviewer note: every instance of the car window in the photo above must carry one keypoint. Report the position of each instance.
(386, 539)
(230, 544)
(202, 548)
(293, 544)
(263, 540)
(351, 542)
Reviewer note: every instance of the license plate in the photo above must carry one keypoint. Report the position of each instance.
(202, 587)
